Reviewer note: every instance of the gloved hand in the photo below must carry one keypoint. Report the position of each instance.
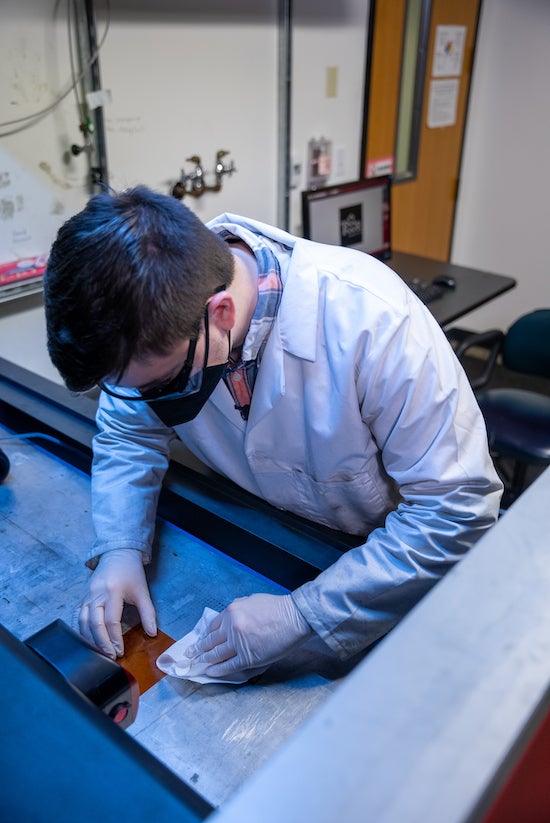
(251, 632)
(119, 578)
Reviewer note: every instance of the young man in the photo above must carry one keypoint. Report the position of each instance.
(308, 374)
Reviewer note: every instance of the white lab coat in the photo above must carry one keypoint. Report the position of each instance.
(361, 419)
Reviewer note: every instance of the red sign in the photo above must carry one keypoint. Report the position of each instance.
(24, 269)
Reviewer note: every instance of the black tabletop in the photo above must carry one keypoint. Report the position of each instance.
(473, 287)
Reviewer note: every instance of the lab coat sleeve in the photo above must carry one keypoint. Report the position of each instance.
(131, 455)
(417, 402)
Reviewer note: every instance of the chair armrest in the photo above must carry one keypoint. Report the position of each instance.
(491, 340)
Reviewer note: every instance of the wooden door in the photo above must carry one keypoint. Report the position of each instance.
(423, 206)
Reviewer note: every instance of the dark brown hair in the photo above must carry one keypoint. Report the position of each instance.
(128, 276)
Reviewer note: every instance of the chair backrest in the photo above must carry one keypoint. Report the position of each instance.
(526, 346)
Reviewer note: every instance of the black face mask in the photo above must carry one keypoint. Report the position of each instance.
(180, 399)
(183, 409)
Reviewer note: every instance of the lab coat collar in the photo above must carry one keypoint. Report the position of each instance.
(294, 332)
(300, 292)
(227, 219)
(300, 300)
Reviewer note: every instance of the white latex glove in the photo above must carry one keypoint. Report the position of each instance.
(119, 578)
(251, 632)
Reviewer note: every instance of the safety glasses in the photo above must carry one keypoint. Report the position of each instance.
(182, 385)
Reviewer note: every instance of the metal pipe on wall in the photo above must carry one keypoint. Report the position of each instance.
(284, 113)
(91, 82)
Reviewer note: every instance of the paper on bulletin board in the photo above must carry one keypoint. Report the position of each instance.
(448, 51)
(442, 103)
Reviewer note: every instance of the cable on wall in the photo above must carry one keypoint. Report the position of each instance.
(25, 122)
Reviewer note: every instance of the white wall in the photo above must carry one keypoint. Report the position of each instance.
(200, 76)
(337, 38)
(503, 211)
(41, 184)
(184, 79)
(191, 79)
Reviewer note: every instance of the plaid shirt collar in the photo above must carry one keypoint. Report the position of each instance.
(270, 255)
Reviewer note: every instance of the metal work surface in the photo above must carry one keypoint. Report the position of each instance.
(280, 545)
(429, 726)
(214, 736)
(426, 728)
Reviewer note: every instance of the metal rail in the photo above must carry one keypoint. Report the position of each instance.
(279, 545)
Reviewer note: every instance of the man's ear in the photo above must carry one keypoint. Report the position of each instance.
(221, 310)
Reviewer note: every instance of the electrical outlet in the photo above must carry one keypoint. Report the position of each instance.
(332, 81)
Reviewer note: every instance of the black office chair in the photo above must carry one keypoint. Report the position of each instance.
(517, 420)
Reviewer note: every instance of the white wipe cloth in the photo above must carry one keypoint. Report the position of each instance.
(174, 661)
